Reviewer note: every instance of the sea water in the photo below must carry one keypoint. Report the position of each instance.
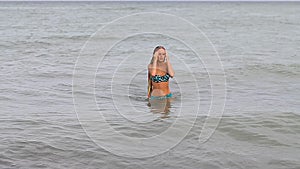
(42, 127)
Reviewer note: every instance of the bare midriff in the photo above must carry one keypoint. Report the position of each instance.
(160, 89)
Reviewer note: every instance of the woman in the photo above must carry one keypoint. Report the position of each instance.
(159, 72)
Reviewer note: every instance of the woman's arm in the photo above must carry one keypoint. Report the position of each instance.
(169, 66)
(149, 86)
(152, 67)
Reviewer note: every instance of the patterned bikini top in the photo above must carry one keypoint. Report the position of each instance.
(158, 78)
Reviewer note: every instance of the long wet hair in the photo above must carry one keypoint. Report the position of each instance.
(156, 49)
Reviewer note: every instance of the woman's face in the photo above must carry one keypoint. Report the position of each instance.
(161, 55)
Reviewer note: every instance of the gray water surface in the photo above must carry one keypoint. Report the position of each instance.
(258, 44)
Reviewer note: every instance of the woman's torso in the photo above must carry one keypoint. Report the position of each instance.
(160, 88)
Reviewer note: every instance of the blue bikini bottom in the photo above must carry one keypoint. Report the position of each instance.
(161, 97)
